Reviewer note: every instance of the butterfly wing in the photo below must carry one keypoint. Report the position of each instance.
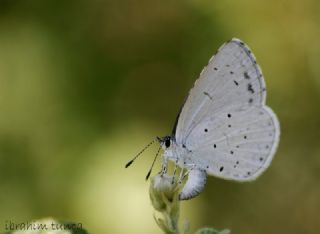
(225, 123)
(232, 78)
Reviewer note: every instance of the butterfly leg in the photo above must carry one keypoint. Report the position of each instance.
(164, 167)
(174, 171)
(181, 175)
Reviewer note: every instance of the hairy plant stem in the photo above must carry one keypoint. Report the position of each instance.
(164, 196)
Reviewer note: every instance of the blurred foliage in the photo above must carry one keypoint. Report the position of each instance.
(84, 84)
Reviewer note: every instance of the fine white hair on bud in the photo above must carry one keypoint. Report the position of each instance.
(164, 183)
(164, 196)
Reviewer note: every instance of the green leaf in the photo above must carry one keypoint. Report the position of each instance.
(212, 231)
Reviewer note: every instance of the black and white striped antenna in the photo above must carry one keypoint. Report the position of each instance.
(135, 157)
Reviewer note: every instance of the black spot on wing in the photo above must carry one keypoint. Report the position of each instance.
(250, 89)
(236, 83)
(246, 75)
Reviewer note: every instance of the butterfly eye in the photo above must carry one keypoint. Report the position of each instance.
(167, 143)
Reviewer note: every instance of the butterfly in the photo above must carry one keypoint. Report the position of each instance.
(224, 128)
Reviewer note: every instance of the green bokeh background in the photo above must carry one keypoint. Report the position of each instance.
(84, 85)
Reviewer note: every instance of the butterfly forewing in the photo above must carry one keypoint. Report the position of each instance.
(231, 79)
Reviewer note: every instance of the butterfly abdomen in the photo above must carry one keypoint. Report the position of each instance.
(197, 179)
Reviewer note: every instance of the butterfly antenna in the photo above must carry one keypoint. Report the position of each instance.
(154, 160)
(135, 157)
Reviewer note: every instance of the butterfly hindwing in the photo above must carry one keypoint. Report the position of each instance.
(238, 144)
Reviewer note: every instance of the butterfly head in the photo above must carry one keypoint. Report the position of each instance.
(165, 142)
